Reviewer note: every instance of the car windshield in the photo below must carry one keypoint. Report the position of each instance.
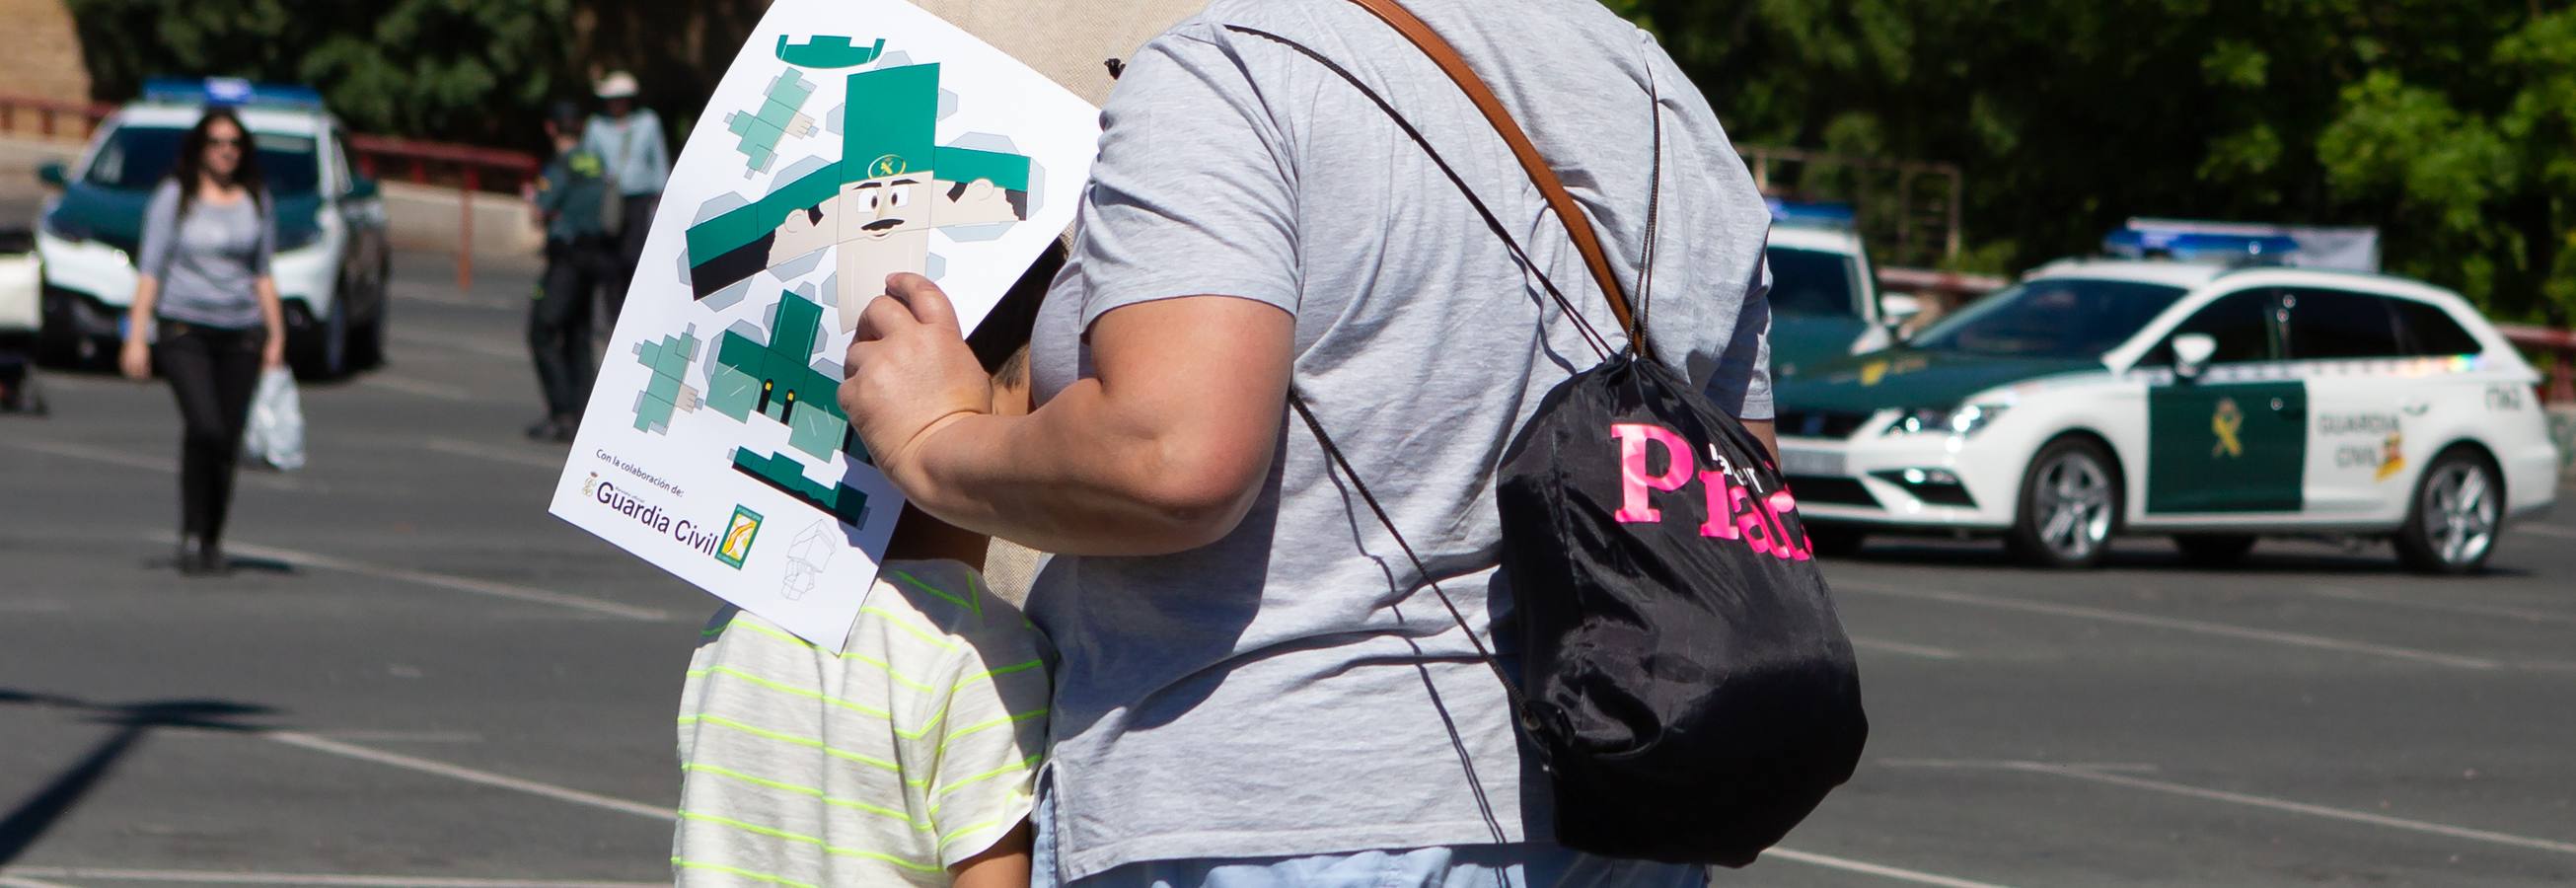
(2053, 318)
(1813, 283)
(136, 158)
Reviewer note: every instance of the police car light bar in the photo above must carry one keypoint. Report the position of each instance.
(230, 92)
(2143, 241)
(1798, 214)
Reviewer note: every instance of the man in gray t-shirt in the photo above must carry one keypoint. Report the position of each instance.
(1272, 692)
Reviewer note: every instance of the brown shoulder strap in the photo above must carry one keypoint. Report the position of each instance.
(1577, 225)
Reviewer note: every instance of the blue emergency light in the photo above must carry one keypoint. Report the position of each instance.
(1800, 214)
(2142, 242)
(230, 92)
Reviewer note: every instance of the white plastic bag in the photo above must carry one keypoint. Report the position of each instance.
(275, 435)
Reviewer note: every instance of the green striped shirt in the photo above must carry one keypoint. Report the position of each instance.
(910, 752)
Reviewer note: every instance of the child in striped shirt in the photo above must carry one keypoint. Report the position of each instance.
(905, 760)
(908, 759)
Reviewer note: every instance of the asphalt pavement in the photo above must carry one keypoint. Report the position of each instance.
(420, 678)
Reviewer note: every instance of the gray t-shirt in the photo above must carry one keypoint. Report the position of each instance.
(1269, 694)
(208, 263)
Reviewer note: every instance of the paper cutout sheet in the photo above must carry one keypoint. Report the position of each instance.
(851, 139)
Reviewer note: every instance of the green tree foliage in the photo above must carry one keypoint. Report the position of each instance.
(2448, 124)
(454, 70)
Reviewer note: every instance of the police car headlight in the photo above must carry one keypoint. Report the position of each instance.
(1963, 421)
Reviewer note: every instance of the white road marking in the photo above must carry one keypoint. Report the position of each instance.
(446, 581)
(2453, 607)
(432, 296)
(1886, 872)
(469, 775)
(169, 466)
(461, 342)
(2547, 530)
(438, 391)
(11, 881)
(495, 453)
(402, 736)
(2285, 805)
(2223, 630)
(1911, 650)
(311, 879)
(2014, 764)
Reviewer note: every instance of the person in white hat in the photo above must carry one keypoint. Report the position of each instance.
(629, 138)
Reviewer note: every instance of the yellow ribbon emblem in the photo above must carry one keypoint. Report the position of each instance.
(740, 538)
(2227, 422)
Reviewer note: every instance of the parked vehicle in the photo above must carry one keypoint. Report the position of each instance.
(2214, 404)
(332, 255)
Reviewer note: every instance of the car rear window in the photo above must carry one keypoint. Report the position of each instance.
(2331, 324)
(137, 158)
(2430, 331)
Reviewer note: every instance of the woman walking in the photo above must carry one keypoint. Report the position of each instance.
(203, 286)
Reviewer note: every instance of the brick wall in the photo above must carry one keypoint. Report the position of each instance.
(44, 56)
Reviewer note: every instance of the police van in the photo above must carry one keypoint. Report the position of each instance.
(332, 257)
(1824, 292)
(2213, 402)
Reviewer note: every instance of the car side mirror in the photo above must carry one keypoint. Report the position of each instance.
(2192, 352)
(364, 189)
(54, 174)
(1897, 310)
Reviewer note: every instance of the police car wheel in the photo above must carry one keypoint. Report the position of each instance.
(2070, 504)
(2458, 507)
(2213, 549)
(1836, 542)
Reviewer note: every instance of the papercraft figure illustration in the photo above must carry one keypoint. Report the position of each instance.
(820, 165)
(828, 52)
(780, 380)
(878, 205)
(668, 392)
(781, 115)
(806, 559)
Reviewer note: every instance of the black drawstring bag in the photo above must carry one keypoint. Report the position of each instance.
(1686, 682)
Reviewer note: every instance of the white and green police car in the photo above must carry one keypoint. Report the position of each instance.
(2211, 404)
(331, 249)
(1824, 292)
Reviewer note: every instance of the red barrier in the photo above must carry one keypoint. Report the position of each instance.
(471, 168)
(2561, 345)
(47, 114)
(425, 160)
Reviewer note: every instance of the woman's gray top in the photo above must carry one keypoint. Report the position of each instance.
(209, 262)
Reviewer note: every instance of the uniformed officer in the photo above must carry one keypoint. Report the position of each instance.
(570, 196)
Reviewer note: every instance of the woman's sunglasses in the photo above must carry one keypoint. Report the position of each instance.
(223, 142)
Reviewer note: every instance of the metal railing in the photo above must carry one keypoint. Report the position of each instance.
(47, 116)
(2560, 346)
(474, 169)
(470, 169)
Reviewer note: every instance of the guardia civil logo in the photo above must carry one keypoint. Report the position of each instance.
(738, 536)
